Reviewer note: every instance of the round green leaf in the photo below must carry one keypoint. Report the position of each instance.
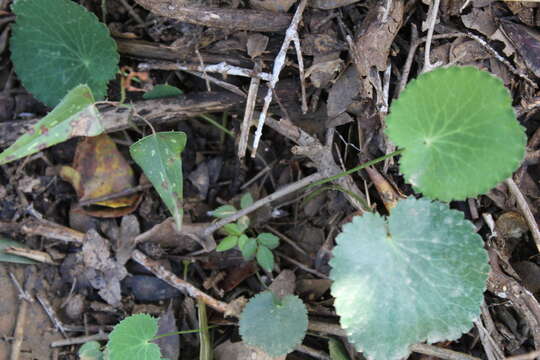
(275, 326)
(228, 243)
(130, 339)
(416, 276)
(265, 258)
(57, 45)
(459, 133)
(271, 241)
(90, 351)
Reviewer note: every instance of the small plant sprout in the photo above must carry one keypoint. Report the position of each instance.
(258, 247)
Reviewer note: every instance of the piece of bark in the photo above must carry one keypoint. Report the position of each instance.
(232, 19)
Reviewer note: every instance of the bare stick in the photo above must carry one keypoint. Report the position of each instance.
(286, 190)
(526, 211)
(279, 64)
(52, 230)
(26, 298)
(80, 340)
(434, 10)
(248, 113)
(528, 356)
(51, 314)
(222, 68)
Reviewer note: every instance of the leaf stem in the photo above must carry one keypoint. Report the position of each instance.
(357, 168)
(182, 332)
(216, 124)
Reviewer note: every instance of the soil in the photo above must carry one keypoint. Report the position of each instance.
(97, 264)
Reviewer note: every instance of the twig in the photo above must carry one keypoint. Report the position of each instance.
(173, 280)
(528, 356)
(116, 195)
(433, 12)
(26, 298)
(279, 63)
(51, 314)
(442, 353)
(80, 340)
(266, 200)
(227, 86)
(222, 68)
(248, 113)
(302, 266)
(525, 210)
(51, 230)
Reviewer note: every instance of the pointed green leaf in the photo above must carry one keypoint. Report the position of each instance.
(243, 223)
(90, 351)
(269, 240)
(246, 200)
(242, 240)
(265, 258)
(76, 115)
(57, 45)
(249, 248)
(459, 132)
(162, 91)
(159, 155)
(131, 339)
(233, 229)
(5, 243)
(275, 326)
(224, 211)
(417, 276)
(228, 243)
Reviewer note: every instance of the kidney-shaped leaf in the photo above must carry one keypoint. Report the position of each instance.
(130, 339)
(76, 115)
(459, 132)
(417, 276)
(57, 45)
(274, 325)
(159, 155)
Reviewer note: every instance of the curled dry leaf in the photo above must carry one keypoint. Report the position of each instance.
(98, 170)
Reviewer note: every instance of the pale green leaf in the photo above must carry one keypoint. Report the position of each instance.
(5, 243)
(269, 240)
(273, 325)
(76, 115)
(159, 155)
(243, 223)
(90, 351)
(246, 200)
(265, 258)
(249, 249)
(162, 91)
(57, 45)
(227, 243)
(242, 240)
(224, 211)
(417, 276)
(459, 133)
(131, 339)
(233, 229)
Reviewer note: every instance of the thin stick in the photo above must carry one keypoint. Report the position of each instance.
(279, 64)
(434, 10)
(528, 356)
(26, 298)
(441, 353)
(51, 314)
(178, 283)
(222, 68)
(526, 211)
(80, 340)
(286, 190)
(248, 113)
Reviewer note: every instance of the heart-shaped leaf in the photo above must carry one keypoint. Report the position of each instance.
(159, 155)
(76, 115)
(273, 325)
(57, 45)
(130, 339)
(459, 133)
(417, 276)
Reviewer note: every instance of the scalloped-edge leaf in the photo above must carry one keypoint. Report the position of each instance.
(131, 339)
(57, 45)
(459, 133)
(76, 115)
(418, 275)
(274, 325)
(159, 155)
(162, 91)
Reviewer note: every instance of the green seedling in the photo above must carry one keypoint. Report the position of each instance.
(258, 247)
(57, 45)
(162, 91)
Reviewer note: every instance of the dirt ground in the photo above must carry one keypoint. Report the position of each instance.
(333, 76)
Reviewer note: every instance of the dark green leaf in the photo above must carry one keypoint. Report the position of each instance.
(337, 350)
(228, 243)
(269, 240)
(275, 326)
(57, 45)
(265, 258)
(162, 91)
(159, 155)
